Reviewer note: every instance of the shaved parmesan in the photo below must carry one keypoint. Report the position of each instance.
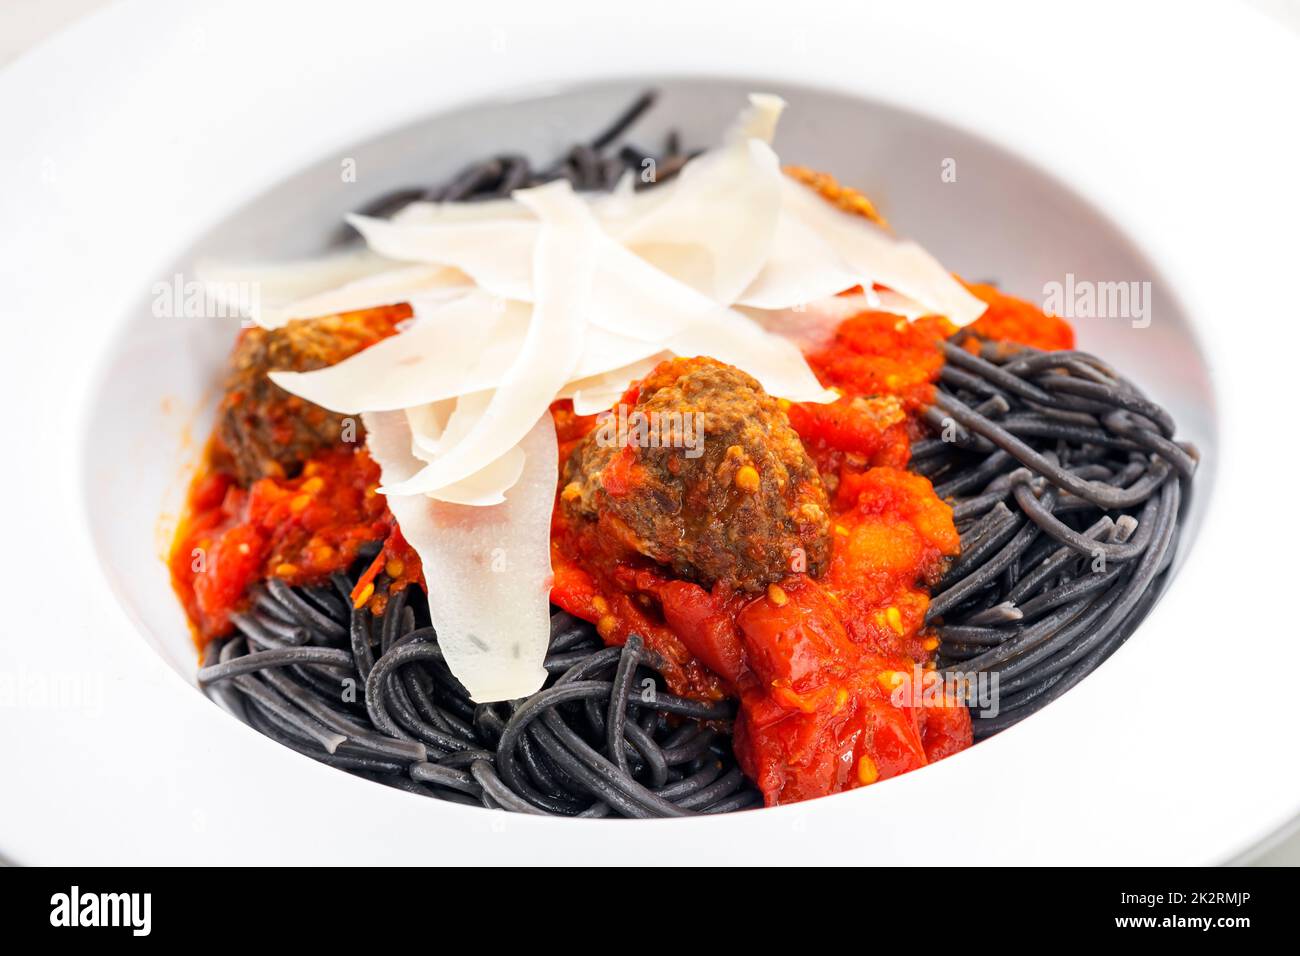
(463, 347)
(458, 416)
(391, 287)
(443, 423)
(887, 300)
(604, 352)
(737, 340)
(422, 212)
(715, 227)
(801, 268)
(496, 253)
(630, 297)
(427, 424)
(622, 206)
(869, 251)
(450, 349)
(810, 327)
(488, 485)
(813, 326)
(759, 119)
(565, 264)
(261, 291)
(599, 392)
(487, 567)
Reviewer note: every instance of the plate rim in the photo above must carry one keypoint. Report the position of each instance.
(789, 833)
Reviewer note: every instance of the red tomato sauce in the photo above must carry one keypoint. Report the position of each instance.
(300, 530)
(1015, 320)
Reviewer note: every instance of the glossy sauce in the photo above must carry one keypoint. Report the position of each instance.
(299, 530)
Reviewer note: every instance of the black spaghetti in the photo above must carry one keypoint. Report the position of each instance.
(373, 696)
(1066, 485)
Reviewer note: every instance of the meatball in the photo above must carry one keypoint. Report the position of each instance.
(268, 432)
(704, 474)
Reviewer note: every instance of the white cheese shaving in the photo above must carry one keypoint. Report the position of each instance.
(439, 425)
(869, 251)
(496, 253)
(758, 120)
(813, 326)
(423, 212)
(487, 567)
(887, 300)
(427, 424)
(801, 268)
(714, 227)
(737, 340)
(260, 291)
(404, 284)
(596, 393)
(463, 347)
(632, 298)
(449, 349)
(565, 264)
(488, 485)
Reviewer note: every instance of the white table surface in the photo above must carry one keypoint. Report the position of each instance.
(25, 23)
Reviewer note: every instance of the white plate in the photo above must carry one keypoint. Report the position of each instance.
(134, 135)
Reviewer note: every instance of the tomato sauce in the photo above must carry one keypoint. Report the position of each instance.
(300, 530)
(1015, 320)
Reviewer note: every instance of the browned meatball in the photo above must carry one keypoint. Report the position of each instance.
(267, 431)
(729, 496)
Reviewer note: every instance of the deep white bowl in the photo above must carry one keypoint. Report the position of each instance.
(137, 167)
